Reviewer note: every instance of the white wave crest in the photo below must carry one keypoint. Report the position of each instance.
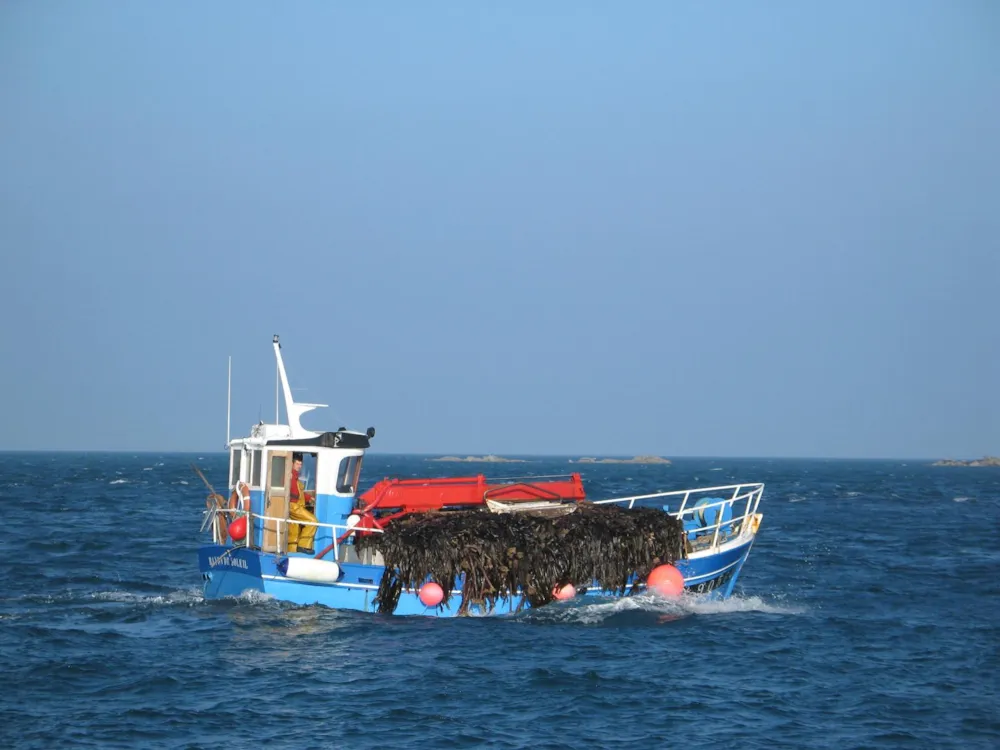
(250, 596)
(702, 606)
(181, 596)
(666, 609)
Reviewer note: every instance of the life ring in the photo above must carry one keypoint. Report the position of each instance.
(239, 501)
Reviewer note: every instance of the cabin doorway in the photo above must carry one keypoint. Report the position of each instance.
(279, 471)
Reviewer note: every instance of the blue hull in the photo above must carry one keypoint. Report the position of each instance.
(237, 571)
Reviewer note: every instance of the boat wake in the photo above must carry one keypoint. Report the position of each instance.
(649, 609)
(72, 597)
(182, 597)
(252, 597)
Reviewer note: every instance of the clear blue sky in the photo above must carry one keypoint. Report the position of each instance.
(682, 228)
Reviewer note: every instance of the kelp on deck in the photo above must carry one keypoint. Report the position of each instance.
(503, 554)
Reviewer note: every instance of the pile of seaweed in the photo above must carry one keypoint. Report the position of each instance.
(501, 554)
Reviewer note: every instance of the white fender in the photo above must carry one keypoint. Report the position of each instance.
(309, 569)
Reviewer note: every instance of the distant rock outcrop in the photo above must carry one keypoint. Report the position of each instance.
(984, 461)
(491, 459)
(635, 460)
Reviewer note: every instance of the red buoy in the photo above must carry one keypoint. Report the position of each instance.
(562, 593)
(238, 529)
(431, 594)
(666, 580)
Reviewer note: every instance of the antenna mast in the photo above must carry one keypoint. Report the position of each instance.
(229, 400)
(293, 410)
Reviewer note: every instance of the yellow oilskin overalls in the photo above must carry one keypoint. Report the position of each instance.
(300, 538)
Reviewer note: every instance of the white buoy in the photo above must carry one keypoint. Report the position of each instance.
(309, 569)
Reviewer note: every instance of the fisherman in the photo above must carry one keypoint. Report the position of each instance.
(300, 536)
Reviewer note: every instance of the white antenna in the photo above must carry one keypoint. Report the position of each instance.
(229, 400)
(293, 410)
(277, 380)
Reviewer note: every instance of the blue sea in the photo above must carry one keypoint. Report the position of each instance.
(867, 616)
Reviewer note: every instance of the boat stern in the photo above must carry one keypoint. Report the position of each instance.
(229, 571)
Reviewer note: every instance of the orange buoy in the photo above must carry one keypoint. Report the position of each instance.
(562, 593)
(666, 580)
(238, 529)
(431, 594)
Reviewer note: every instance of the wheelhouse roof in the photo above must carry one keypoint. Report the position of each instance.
(338, 439)
(294, 435)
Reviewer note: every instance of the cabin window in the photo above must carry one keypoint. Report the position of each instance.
(277, 476)
(255, 469)
(347, 479)
(234, 472)
(308, 471)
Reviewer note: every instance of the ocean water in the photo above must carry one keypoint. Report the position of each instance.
(867, 616)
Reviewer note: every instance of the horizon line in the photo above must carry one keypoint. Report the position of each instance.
(510, 455)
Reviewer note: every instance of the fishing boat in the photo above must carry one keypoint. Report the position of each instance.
(253, 549)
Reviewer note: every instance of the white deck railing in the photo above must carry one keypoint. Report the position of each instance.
(281, 528)
(722, 529)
